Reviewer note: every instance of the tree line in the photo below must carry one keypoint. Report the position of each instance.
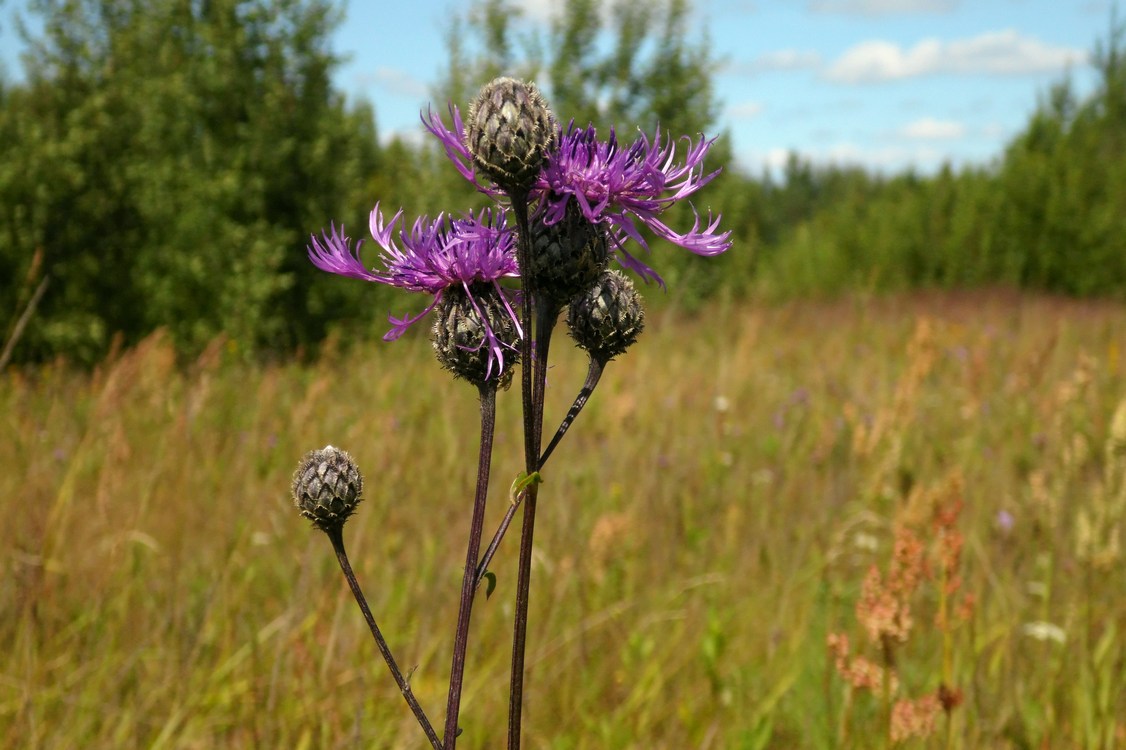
(163, 163)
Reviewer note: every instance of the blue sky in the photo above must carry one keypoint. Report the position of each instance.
(882, 83)
(886, 84)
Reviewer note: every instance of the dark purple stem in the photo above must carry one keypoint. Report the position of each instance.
(336, 536)
(483, 566)
(532, 379)
(469, 579)
(545, 321)
(594, 373)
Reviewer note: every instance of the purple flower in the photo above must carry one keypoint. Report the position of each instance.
(612, 186)
(1005, 521)
(433, 257)
(453, 141)
(619, 187)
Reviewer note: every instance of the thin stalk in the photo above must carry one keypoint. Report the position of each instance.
(483, 566)
(531, 453)
(17, 329)
(336, 536)
(532, 375)
(547, 313)
(520, 622)
(520, 210)
(594, 373)
(947, 652)
(488, 393)
(889, 661)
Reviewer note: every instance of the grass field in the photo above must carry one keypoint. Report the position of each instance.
(707, 525)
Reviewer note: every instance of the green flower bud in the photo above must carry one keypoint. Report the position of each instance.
(567, 257)
(607, 318)
(509, 132)
(327, 487)
(469, 347)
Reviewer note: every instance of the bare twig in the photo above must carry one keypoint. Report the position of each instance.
(17, 330)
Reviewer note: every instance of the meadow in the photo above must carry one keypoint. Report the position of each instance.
(706, 528)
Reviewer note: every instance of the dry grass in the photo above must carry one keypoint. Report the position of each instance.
(705, 526)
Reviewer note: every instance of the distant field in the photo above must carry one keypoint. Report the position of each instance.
(703, 529)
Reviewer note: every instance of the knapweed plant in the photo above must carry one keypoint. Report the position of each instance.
(567, 204)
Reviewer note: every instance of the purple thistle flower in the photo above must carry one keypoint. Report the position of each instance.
(619, 187)
(434, 256)
(453, 141)
(613, 186)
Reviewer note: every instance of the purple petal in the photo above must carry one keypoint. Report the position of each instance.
(453, 142)
(618, 187)
(333, 253)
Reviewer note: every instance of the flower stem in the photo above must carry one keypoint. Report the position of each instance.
(594, 372)
(544, 323)
(488, 393)
(523, 246)
(336, 536)
(483, 566)
(533, 375)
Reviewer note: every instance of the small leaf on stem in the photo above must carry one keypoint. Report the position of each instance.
(522, 482)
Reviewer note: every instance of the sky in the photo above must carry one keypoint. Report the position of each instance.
(883, 84)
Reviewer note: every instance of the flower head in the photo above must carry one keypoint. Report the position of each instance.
(463, 324)
(510, 130)
(327, 487)
(566, 257)
(607, 319)
(622, 187)
(434, 256)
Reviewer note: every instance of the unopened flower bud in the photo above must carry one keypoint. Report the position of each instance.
(567, 257)
(469, 347)
(607, 318)
(509, 132)
(327, 487)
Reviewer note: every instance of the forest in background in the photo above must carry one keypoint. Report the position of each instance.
(163, 163)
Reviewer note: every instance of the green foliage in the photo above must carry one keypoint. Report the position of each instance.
(630, 66)
(169, 159)
(1049, 215)
(165, 162)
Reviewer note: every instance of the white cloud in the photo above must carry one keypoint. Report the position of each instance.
(995, 131)
(541, 11)
(930, 129)
(882, 7)
(772, 161)
(745, 110)
(888, 159)
(539, 14)
(776, 158)
(997, 53)
(393, 80)
(783, 59)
